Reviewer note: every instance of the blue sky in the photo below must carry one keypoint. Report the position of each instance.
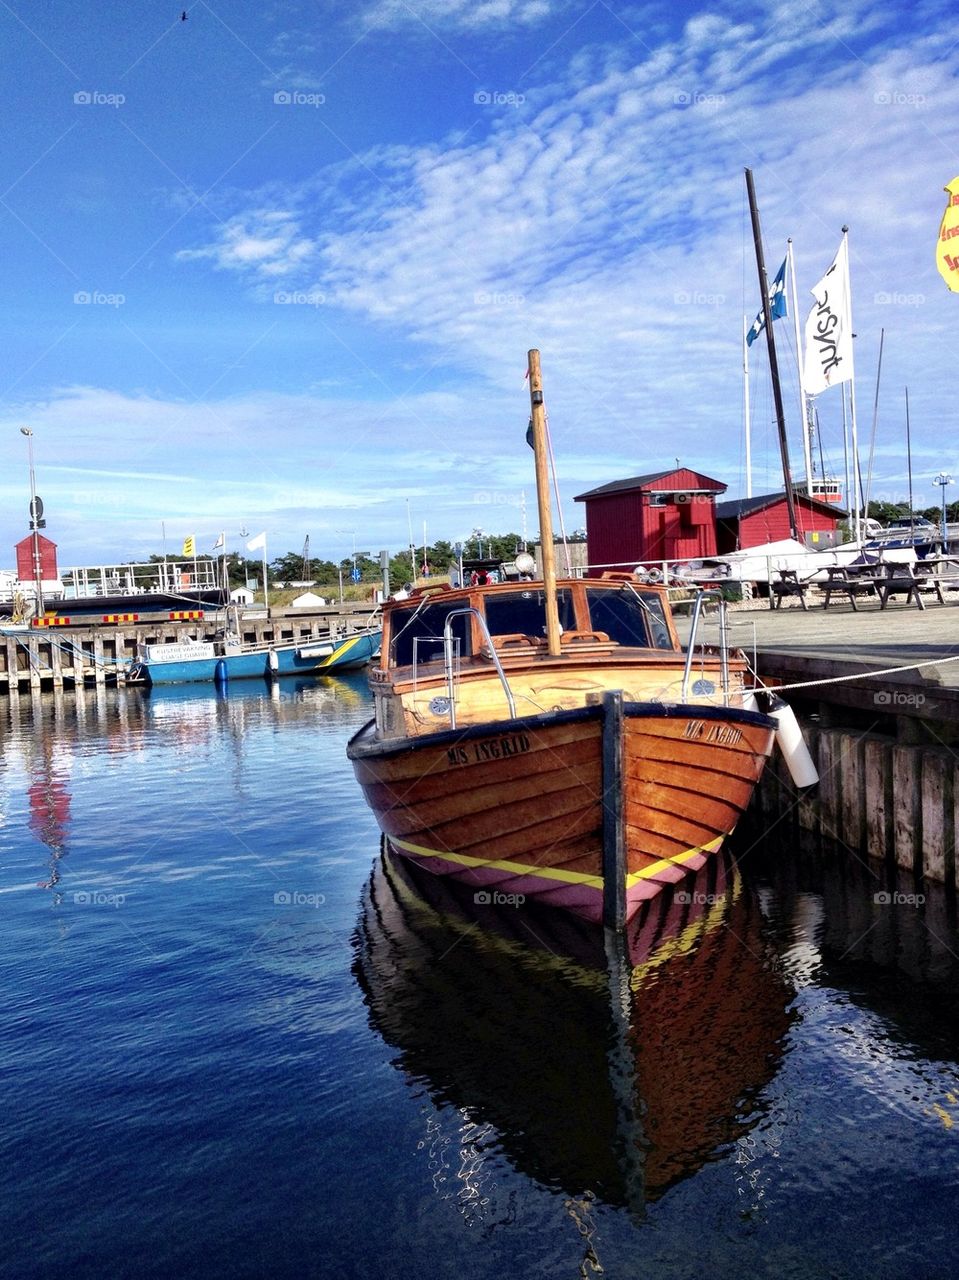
(317, 239)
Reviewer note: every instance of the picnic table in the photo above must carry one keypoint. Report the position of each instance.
(910, 580)
(789, 584)
(852, 581)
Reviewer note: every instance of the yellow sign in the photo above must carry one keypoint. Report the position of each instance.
(947, 248)
(189, 546)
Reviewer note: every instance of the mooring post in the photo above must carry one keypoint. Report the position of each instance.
(614, 837)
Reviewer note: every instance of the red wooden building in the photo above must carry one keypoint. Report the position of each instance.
(26, 570)
(667, 515)
(750, 522)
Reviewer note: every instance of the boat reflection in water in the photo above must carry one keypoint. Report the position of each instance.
(615, 1074)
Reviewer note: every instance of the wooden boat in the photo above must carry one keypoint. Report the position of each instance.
(554, 740)
(619, 1070)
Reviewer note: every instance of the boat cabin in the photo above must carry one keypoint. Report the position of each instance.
(596, 613)
(615, 634)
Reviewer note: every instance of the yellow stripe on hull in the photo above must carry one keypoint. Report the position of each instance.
(552, 873)
(338, 652)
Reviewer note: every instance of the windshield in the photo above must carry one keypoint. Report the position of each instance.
(523, 613)
(422, 627)
(629, 617)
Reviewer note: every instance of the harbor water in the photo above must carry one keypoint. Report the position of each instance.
(238, 1041)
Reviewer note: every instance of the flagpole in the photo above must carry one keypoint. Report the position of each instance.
(857, 481)
(803, 403)
(746, 423)
(409, 525)
(266, 594)
(845, 448)
(912, 523)
(773, 363)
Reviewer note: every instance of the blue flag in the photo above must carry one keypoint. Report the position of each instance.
(777, 305)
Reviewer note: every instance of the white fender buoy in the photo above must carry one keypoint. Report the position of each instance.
(792, 744)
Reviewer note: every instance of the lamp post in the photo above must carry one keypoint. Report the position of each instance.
(35, 510)
(942, 480)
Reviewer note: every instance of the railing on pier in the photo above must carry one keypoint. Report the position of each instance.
(169, 576)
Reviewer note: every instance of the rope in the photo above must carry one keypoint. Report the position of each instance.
(559, 505)
(860, 675)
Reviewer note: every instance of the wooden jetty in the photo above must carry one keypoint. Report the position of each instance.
(76, 655)
(886, 743)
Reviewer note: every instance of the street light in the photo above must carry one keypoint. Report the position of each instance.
(942, 480)
(35, 510)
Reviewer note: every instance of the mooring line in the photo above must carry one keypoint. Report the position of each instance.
(858, 675)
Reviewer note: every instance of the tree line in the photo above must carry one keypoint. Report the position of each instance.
(440, 556)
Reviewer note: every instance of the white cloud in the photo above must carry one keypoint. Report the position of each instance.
(267, 241)
(294, 464)
(605, 222)
(464, 14)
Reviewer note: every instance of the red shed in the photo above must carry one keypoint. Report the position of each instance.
(667, 515)
(750, 522)
(26, 570)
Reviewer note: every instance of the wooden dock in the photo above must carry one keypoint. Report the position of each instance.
(58, 657)
(886, 744)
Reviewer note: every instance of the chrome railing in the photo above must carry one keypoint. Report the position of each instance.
(701, 596)
(448, 659)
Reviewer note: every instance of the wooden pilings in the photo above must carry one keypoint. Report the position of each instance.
(877, 796)
(68, 657)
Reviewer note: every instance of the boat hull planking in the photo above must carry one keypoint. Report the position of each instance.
(518, 808)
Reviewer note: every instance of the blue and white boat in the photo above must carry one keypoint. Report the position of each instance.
(222, 660)
(323, 656)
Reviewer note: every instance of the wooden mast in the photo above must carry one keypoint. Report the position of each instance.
(773, 362)
(538, 423)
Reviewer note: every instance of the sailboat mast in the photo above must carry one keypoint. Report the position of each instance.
(859, 514)
(912, 523)
(803, 402)
(538, 422)
(875, 425)
(746, 423)
(773, 362)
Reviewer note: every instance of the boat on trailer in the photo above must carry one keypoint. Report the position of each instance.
(553, 739)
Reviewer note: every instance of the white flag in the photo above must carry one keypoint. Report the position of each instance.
(828, 359)
(256, 543)
(220, 542)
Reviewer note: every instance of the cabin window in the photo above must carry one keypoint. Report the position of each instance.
(630, 618)
(523, 613)
(426, 624)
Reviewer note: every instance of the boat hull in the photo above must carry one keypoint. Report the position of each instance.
(348, 655)
(205, 670)
(526, 807)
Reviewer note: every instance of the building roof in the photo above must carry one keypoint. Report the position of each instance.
(736, 508)
(686, 480)
(42, 541)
